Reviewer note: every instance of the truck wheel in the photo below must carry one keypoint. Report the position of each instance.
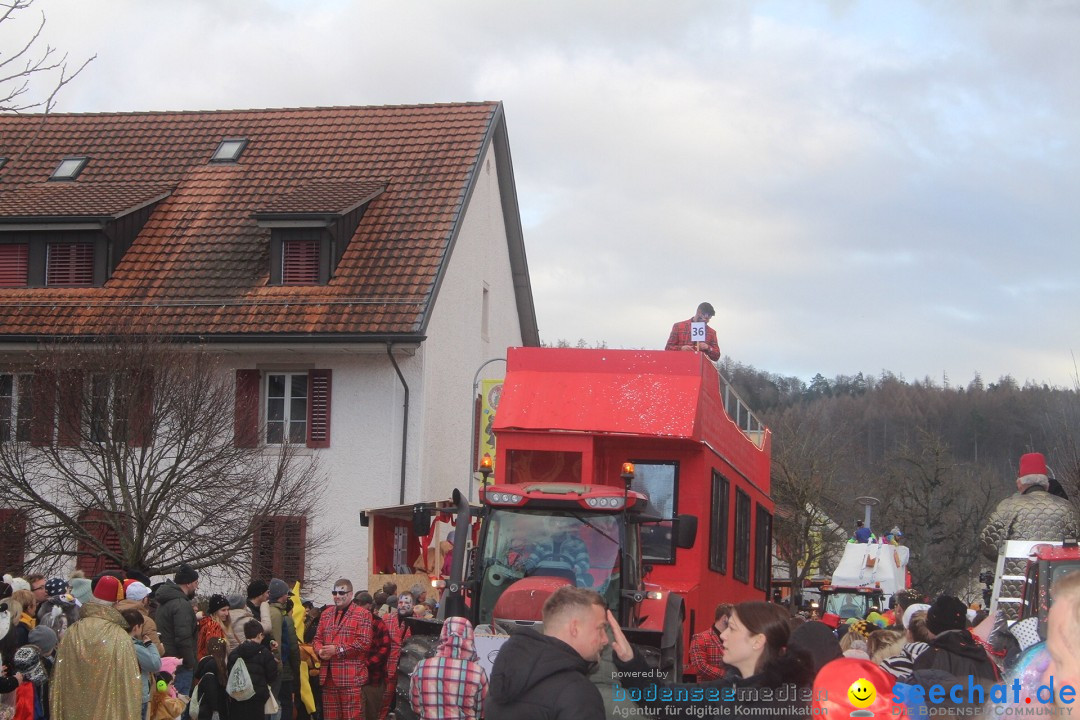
(415, 649)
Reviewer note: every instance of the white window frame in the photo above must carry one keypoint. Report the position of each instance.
(20, 384)
(287, 421)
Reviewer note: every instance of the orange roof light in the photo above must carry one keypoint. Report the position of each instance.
(486, 465)
(627, 471)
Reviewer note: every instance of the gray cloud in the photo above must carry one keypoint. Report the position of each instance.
(855, 186)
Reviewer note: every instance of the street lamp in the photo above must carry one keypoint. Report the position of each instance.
(473, 440)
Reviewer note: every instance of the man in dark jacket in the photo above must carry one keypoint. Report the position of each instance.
(547, 676)
(177, 625)
(261, 666)
(954, 650)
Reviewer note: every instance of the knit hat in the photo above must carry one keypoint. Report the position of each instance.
(44, 638)
(236, 602)
(831, 696)
(278, 588)
(80, 589)
(185, 575)
(1033, 470)
(17, 583)
(136, 590)
(912, 609)
(947, 613)
(107, 589)
(861, 628)
(55, 586)
(27, 661)
(256, 588)
(216, 603)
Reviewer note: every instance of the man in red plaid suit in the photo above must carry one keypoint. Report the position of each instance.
(452, 685)
(343, 641)
(707, 649)
(680, 339)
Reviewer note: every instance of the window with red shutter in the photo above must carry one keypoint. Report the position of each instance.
(70, 265)
(278, 548)
(13, 264)
(12, 539)
(246, 409)
(300, 262)
(91, 560)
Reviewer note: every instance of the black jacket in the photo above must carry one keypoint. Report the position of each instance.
(783, 684)
(263, 669)
(212, 697)
(957, 653)
(542, 678)
(176, 623)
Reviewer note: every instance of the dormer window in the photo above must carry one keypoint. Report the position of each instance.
(14, 264)
(228, 150)
(70, 264)
(69, 168)
(300, 261)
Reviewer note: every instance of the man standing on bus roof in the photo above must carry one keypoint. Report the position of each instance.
(682, 337)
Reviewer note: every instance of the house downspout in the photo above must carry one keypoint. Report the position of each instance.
(404, 421)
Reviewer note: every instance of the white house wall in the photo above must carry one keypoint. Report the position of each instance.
(456, 347)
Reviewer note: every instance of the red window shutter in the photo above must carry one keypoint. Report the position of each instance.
(300, 262)
(44, 412)
(318, 420)
(13, 264)
(246, 412)
(12, 539)
(262, 547)
(69, 432)
(140, 427)
(91, 560)
(70, 265)
(294, 540)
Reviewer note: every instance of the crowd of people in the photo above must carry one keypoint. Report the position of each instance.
(114, 646)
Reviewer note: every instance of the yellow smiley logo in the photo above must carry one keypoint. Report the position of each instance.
(862, 693)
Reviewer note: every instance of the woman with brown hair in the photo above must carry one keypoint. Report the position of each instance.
(758, 658)
(216, 623)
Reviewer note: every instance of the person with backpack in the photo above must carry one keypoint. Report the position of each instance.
(248, 696)
(208, 699)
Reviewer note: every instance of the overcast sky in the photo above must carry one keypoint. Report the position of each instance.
(856, 186)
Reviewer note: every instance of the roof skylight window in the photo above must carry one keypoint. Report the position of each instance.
(3, 162)
(69, 168)
(229, 149)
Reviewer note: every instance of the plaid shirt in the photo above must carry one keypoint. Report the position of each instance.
(451, 685)
(398, 632)
(707, 655)
(379, 652)
(349, 630)
(680, 336)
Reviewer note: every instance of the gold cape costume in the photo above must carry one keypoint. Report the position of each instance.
(96, 674)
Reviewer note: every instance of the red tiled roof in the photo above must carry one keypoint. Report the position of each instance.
(200, 265)
(323, 197)
(69, 199)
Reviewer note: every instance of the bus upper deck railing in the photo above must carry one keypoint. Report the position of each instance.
(740, 412)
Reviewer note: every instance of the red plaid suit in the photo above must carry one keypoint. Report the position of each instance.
(680, 336)
(342, 675)
(399, 632)
(452, 685)
(707, 655)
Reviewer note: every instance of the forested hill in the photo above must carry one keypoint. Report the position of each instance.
(938, 457)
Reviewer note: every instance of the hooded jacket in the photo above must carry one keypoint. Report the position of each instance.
(452, 684)
(263, 669)
(536, 676)
(176, 623)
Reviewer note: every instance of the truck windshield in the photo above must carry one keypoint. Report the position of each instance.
(579, 546)
(848, 605)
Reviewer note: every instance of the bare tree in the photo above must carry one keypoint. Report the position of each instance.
(30, 61)
(808, 452)
(126, 452)
(941, 505)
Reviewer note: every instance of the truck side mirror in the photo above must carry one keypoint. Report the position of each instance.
(685, 531)
(421, 520)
